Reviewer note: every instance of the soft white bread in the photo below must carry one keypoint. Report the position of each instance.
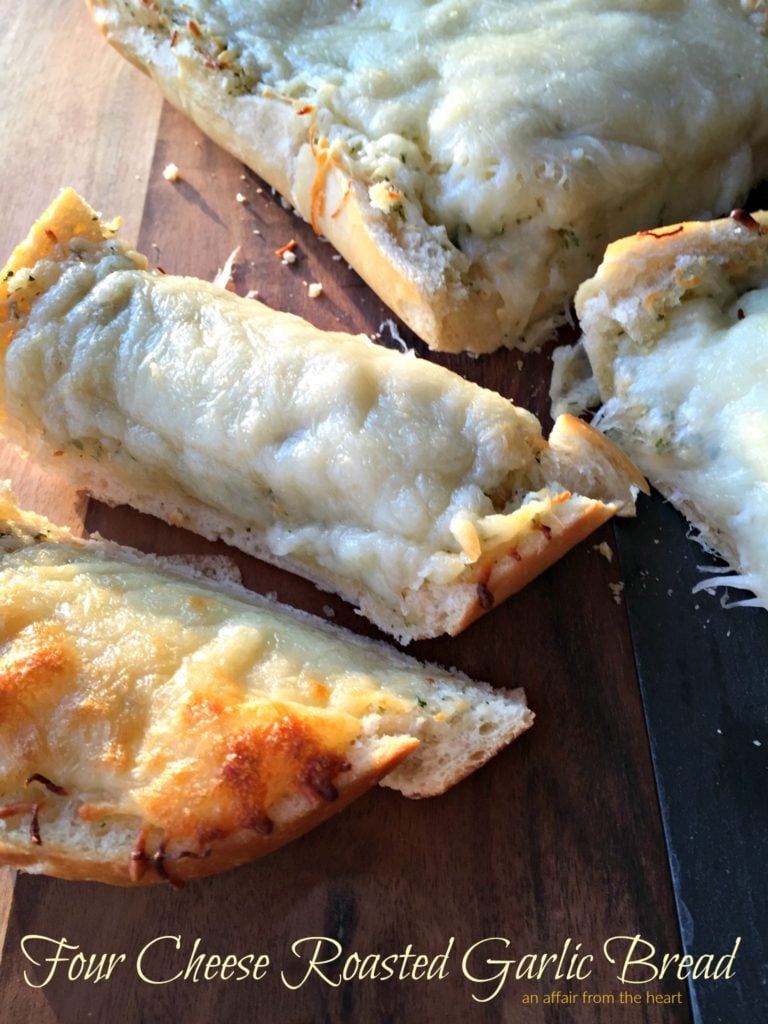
(675, 327)
(471, 160)
(156, 725)
(420, 497)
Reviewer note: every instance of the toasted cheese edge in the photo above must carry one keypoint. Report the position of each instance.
(642, 275)
(78, 860)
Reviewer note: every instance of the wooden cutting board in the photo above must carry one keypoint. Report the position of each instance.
(557, 842)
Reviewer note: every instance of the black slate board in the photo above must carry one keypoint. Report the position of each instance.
(703, 673)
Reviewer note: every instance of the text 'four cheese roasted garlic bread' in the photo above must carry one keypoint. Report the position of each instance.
(422, 498)
(471, 159)
(676, 330)
(154, 725)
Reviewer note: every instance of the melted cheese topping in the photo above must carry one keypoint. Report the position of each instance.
(144, 693)
(382, 469)
(526, 134)
(693, 412)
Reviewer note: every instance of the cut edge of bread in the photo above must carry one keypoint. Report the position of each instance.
(643, 278)
(113, 852)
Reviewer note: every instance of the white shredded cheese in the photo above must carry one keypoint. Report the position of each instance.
(223, 277)
(604, 549)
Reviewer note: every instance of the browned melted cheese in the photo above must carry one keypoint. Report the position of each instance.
(140, 694)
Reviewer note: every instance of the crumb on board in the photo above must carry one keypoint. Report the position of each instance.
(616, 590)
(314, 290)
(286, 252)
(391, 327)
(757, 743)
(337, 256)
(171, 172)
(252, 293)
(604, 549)
(240, 197)
(328, 612)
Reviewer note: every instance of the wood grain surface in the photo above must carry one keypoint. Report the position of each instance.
(559, 838)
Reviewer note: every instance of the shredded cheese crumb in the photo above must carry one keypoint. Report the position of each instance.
(315, 290)
(385, 197)
(286, 253)
(616, 589)
(171, 172)
(240, 197)
(251, 294)
(223, 277)
(394, 333)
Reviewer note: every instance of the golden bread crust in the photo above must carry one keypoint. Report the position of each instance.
(147, 863)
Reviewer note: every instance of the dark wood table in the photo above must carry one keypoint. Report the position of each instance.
(650, 703)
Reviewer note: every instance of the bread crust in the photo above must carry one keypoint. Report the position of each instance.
(298, 817)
